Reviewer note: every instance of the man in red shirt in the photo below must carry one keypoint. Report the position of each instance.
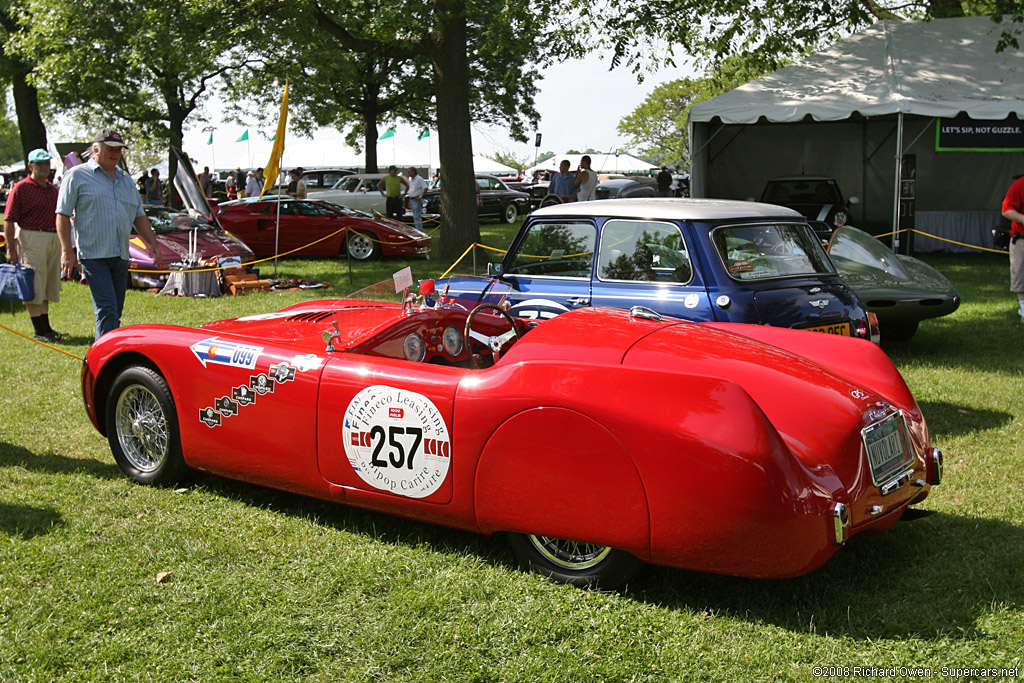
(30, 228)
(1013, 209)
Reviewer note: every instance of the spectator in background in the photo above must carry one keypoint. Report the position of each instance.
(561, 183)
(206, 182)
(230, 186)
(252, 188)
(586, 181)
(664, 181)
(154, 188)
(30, 230)
(1013, 209)
(392, 187)
(679, 182)
(240, 177)
(299, 189)
(260, 178)
(417, 187)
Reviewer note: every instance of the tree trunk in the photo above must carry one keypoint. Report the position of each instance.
(945, 9)
(370, 140)
(176, 119)
(26, 105)
(455, 147)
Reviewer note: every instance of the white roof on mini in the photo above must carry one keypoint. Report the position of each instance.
(669, 209)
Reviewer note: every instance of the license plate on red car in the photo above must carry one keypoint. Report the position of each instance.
(888, 447)
(835, 328)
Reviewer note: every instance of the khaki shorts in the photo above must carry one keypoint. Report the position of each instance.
(40, 251)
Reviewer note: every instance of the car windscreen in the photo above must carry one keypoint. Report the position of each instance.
(801, 192)
(348, 183)
(772, 250)
(858, 246)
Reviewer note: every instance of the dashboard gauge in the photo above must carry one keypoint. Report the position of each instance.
(414, 348)
(452, 341)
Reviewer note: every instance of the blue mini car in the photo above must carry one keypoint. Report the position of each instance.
(696, 259)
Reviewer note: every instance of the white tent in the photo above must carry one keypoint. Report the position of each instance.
(858, 109)
(602, 163)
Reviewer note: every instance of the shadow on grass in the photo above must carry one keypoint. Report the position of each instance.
(27, 521)
(935, 576)
(949, 419)
(18, 456)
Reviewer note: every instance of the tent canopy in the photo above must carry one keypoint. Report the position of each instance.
(929, 68)
(602, 163)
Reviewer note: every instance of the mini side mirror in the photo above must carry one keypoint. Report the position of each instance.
(494, 270)
(853, 201)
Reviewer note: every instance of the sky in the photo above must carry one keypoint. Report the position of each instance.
(580, 103)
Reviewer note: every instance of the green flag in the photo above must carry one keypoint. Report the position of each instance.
(244, 136)
(424, 134)
(210, 141)
(389, 134)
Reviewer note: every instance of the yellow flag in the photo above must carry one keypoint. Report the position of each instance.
(273, 168)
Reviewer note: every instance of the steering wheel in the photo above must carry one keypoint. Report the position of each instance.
(495, 344)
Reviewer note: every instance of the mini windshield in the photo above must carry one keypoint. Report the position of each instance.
(758, 252)
(858, 246)
(802, 191)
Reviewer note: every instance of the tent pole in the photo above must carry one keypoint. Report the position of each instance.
(896, 190)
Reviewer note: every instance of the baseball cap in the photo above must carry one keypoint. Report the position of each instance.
(109, 136)
(39, 155)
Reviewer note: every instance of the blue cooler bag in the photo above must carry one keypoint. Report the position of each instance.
(16, 282)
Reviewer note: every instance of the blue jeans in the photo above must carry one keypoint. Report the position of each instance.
(108, 282)
(417, 212)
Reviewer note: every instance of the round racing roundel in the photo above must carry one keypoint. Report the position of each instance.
(397, 441)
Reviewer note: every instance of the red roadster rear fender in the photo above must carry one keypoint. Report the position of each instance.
(679, 470)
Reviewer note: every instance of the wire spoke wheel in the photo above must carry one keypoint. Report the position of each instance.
(142, 428)
(570, 555)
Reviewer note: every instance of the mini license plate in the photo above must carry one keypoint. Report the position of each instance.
(888, 447)
(836, 328)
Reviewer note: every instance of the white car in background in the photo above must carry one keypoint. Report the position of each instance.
(356, 191)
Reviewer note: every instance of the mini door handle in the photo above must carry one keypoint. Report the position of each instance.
(578, 301)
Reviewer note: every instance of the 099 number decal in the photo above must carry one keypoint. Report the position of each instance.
(397, 441)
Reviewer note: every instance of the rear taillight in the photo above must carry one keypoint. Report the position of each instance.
(867, 328)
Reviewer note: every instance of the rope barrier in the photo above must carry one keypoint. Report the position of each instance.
(36, 341)
(941, 239)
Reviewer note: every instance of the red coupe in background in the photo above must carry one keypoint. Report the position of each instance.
(304, 221)
(597, 440)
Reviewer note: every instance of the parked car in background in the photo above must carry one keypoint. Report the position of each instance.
(818, 198)
(497, 200)
(697, 259)
(901, 290)
(356, 191)
(307, 221)
(627, 187)
(320, 179)
(174, 230)
(596, 441)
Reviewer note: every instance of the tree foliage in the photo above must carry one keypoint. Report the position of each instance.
(331, 87)
(767, 34)
(483, 55)
(14, 70)
(657, 127)
(149, 62)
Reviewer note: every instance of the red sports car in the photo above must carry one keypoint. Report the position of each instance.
(305, 221)
(596, 440)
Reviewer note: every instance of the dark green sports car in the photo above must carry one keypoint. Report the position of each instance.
(901, 290)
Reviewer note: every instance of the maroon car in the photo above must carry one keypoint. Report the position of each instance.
(305, 223)
(174, 232)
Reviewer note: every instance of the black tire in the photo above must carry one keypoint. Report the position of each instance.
(142, 428)
(578, 564)
(510, 214)
(899, 333)
(362, 246)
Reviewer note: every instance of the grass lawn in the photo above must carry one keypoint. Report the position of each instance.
(105, 580)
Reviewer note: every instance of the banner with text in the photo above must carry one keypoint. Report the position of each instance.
(964, 134)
